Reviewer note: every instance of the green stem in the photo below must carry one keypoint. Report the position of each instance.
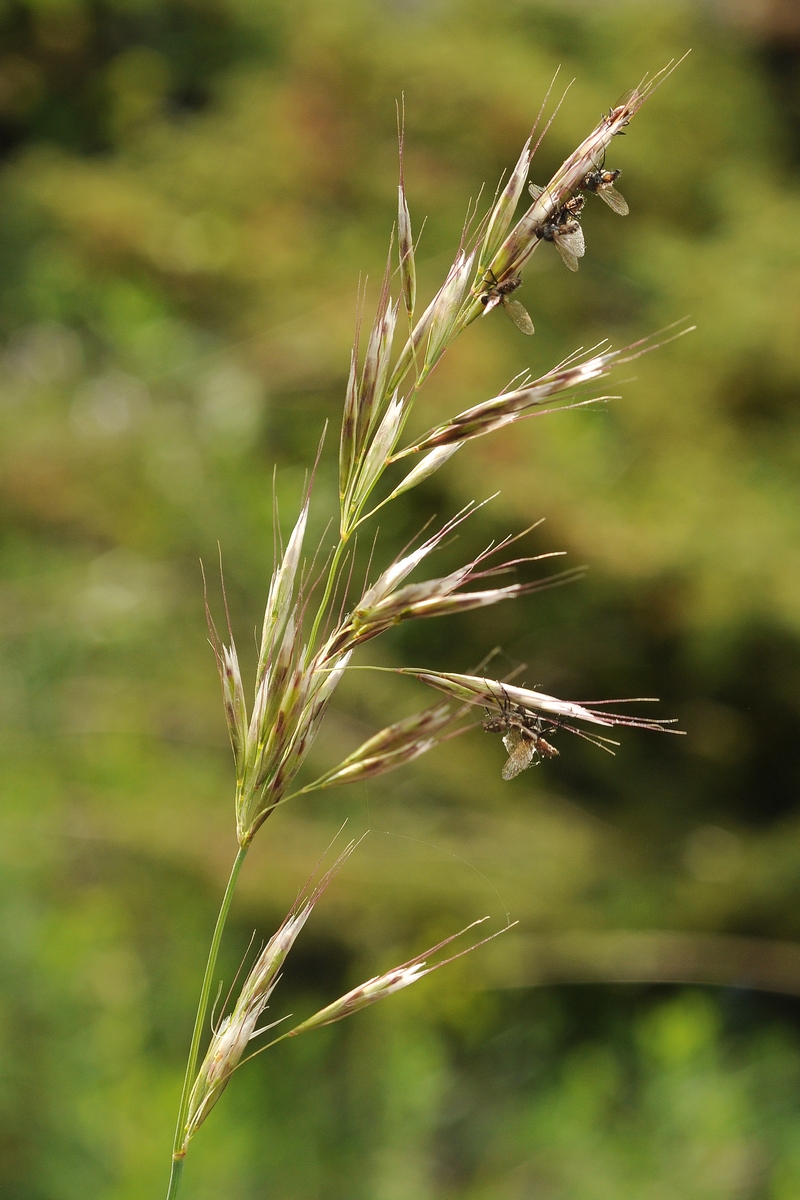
(179, 1147)
(326, 595)
(175, 1178)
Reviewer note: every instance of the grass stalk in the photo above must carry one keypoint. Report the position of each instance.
(330, 583)
(175, 1177)
(179, 1147)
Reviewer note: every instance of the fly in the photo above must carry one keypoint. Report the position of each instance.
(564, 229)
(522, 737)
(601, 183)
(573, 207)
(499, 293)
(616, 112)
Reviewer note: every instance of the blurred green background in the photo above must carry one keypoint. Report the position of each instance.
(189, 191)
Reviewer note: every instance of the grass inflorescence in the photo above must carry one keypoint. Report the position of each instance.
(312, 626)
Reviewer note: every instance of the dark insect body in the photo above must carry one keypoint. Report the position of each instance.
(564, 229)
(498, 293)
(566, 235)
(522, 737)
(601, 183)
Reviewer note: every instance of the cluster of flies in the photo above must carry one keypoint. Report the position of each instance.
(523, 732)
(564, 230)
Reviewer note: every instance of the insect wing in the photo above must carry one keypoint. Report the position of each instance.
(572, 238)
(614, 199)
(519, 315)
(570, 244)
(521, 748)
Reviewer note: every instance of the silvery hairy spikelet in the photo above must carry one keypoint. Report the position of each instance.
(291, 694)
(234, 1032)
(392, 747)
(387, 984)
(513, 253)
(495, 695)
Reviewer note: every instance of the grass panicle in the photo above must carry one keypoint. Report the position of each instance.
(306, 645)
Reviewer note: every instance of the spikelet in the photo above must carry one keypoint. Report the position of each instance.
(234, 1033)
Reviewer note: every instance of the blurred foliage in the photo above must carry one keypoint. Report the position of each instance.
(189, 192)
